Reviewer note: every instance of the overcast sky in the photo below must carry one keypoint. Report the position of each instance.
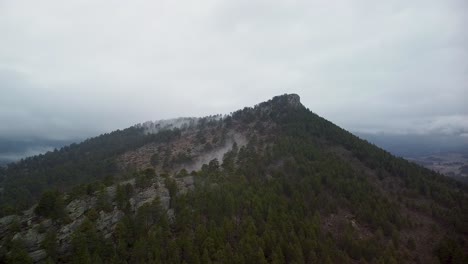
(73, 69)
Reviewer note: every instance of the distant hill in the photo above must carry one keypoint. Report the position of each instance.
(412, 145)
(273, 183)
(447, 155)
(15, 149)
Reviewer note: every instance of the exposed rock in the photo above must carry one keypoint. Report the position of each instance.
(132, 203)
(293, 100)
(164, 197)
(145, 196)
(46, 223)
(188, 181)
(111, 191)
(185, 184)
(5, 223)
(31, 238)
(34, 228)
(65, 232)
(107, 221)
(29, 212)
(76, 208)
(170, 214)
(131, 181)
(29, 215)
(38, 255)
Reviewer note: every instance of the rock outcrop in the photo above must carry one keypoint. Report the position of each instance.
(33, 229)
(107, 221)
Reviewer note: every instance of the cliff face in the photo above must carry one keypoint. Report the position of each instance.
(293, 100)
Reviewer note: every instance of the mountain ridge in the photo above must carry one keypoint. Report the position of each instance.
(247, 174)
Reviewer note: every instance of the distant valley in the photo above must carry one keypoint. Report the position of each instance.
(452, 164)
(447, 155)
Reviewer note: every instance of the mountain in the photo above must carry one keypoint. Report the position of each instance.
(13, 149)
(273, 183)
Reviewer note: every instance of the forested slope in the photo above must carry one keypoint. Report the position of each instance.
(301, 190)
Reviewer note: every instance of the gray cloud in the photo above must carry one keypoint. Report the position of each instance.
(78, 68)
(10, 157)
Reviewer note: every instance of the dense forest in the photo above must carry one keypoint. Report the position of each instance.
(23, 182)
(302, 190)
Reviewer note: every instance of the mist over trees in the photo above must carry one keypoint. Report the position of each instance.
(301, 190)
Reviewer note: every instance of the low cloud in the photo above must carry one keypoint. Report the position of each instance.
(398, 67)
(10, 157)
(451, 125)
